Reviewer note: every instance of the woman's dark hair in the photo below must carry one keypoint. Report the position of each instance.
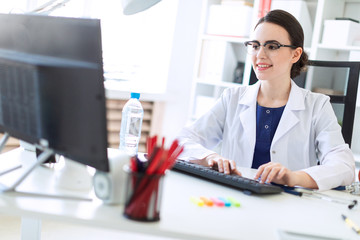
(296, 35)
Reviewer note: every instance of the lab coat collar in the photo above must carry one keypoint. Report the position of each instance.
(296, 98)
(295, 102)
(287, 121)
(250, 95)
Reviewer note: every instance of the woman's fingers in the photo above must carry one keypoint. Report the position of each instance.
(226, 165)
(259, 172)
(263, 172)
(234, 170)
(267, 172)
(211, 163)
(273, 172)
(223, 165)
(220, 166)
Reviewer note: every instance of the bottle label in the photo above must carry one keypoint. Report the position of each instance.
(133, 127)
(131, 142)
(130, 132)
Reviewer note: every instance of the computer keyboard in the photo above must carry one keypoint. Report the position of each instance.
(245, 184)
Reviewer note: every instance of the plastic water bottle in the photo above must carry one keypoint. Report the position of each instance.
(131, 122)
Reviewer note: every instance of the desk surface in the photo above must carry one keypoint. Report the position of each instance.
(259, 217)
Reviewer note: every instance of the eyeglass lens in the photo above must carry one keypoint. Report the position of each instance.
(254, 47)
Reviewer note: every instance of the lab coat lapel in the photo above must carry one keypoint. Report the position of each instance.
(248, 116)
(289, 119)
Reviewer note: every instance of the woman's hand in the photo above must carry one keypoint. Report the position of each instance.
(277, 173)
(219, 163)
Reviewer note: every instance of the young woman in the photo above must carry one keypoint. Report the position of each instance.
(275, 126)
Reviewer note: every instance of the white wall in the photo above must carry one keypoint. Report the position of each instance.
(182, 65)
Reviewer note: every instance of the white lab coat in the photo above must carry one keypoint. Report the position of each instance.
(308, 132)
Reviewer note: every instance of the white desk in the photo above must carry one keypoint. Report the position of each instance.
(259, 217)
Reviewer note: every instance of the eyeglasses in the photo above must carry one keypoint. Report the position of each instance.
(270, 47)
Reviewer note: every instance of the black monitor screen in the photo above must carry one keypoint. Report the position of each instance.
(51, 85)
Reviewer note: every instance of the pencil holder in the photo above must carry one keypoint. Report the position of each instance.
(143, 196)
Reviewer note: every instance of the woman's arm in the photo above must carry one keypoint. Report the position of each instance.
(201, 137)
(337, 163)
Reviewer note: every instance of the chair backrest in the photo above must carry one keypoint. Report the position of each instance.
(349, 88)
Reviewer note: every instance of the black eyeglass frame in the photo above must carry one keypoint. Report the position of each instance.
(247, 43)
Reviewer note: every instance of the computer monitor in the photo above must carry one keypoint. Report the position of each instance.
(51, 85)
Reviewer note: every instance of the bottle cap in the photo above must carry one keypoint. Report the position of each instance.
(135, 95)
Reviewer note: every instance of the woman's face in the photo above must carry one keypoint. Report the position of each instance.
(269, 63)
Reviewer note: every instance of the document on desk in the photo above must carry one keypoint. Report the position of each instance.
(290, 235)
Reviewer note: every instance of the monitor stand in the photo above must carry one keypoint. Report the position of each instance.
(41, 159)
(3, 141)
(72, 175)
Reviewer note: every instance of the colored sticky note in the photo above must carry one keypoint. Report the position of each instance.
(234, 202)
(197, 201)
(207, 201)
(227, 203)
(217, 202)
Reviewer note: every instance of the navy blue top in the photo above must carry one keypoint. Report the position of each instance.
(267, 120)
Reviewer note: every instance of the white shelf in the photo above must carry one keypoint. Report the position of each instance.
(225, 38)
(217, 59)
(121, 90)
(218, 83)
(339, 48)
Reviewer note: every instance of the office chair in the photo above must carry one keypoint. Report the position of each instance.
(350, 87)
